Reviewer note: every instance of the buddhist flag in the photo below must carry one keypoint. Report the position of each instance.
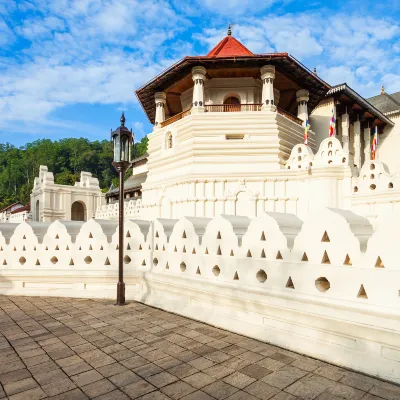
(332, 124)
(306, 129)
(375, 144)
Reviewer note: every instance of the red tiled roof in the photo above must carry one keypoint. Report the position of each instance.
(229, 47)
(20, 209)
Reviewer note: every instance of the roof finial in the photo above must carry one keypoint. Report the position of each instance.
(315, 70)
(229, 30)
(383, 89)
(122, 119)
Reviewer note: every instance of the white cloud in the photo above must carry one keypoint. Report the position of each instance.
(6, 34)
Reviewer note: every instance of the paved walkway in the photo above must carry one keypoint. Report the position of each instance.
(72, 349)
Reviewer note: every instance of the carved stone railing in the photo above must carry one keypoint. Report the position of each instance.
(290, 116)
(232, 107)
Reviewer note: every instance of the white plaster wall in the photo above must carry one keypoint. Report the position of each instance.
(261, 277)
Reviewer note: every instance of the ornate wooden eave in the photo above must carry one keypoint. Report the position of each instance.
(284, 63)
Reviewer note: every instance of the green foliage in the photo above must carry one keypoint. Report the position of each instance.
(66, 158)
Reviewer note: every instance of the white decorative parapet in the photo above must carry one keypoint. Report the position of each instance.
(132, 209)
(328, 287)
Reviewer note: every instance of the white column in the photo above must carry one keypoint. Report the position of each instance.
(198, 76)
(357, 143)
(267, 77)
(160, 99)
(345, 132)
(302, 97)
(367, 144)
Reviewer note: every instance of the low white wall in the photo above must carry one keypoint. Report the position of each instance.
(260, 277)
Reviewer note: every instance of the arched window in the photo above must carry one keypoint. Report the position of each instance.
(168, 141)
(37, 211)
(231, 103)
(78, 211)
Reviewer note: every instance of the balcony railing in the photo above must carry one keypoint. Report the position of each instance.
(175, 118)
(230, 108)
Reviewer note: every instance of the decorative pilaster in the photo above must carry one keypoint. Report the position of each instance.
(198, 76)
(160, 99)
(357, 143)
(345, 132)
(302, 97)
(367, 143)
(267, 77)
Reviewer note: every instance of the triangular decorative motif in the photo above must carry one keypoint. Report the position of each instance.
(263, 236)
(289, 283)
(15, 249)
(206, 251)
(58, 248)
(156, 248)
(24, 237)
(101, 247)
(144, 262)
(128, 234)
(90, 235)
(57, 237)
(232, 253)
(198, 271)
(140, 247)
(71, 262)
(184, 249)
(4, 262)
(167, 266)
(279, 256)
(236, 277)
(219, 235)
(46, 248)
(249, 253)
(157, 234)
(37, 262)
(107, 261)
(90, 247)
(67, 248)
(184, 235)
(149, 247)
(379, 263)
(34, 248)
(128, 247)
(219, 252)
(304, 258)
(362, 294)
(194, 251)
(263, 253)
(163, 248)
(347, 260)
(325, 258)
(175, 249)
(23, 248)
(325, 237)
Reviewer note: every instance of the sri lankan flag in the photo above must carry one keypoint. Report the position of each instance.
(375, 144)
(306, 129)
(332, 125)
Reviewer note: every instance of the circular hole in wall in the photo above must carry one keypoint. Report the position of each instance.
(372, 166)
(390, 186)
(54, 260)
(183, 266)
(127, 259)
(372, 187)
(261, 276)
(216, 271)
(299, 149)
(343, 160)
(322, 284)
(155, 261)
(88, 260)
(372, 176)
(22, 260)
(355, 189)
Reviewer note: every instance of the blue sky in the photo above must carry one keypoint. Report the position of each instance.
(69, 67)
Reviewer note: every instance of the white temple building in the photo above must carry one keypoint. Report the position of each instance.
(228, 139)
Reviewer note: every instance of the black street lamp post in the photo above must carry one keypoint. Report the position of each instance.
(122, 139)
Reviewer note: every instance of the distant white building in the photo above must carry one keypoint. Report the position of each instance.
(16, 212)
(50, 201)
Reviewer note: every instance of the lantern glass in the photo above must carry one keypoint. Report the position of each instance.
(117, 149)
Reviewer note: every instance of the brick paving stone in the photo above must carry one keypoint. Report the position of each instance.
(239, 380)
(177, 390)
(220, 390)
(199, 380)
(142, 352)
(261, 390)
(137, 389)
(19, 386)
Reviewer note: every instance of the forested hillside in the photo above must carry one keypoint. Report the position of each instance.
(66, 158)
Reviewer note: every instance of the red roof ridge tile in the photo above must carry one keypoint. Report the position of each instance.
(229, 46)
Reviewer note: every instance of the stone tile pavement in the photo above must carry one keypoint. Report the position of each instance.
(72, 349)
